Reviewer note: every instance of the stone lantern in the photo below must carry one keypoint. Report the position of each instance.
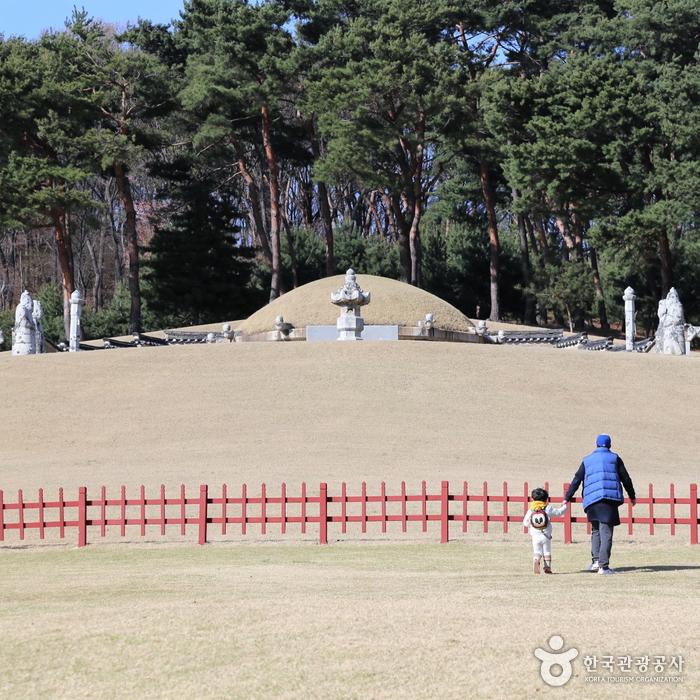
(350, 298)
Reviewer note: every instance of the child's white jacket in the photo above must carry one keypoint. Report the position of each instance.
(552, 511)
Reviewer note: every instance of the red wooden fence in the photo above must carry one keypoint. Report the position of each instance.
(206, 511)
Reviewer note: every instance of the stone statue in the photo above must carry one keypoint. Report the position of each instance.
(691, 332)
(670, 336)
(350, 298)
(428, 322)
(37, 313)
(24, 331)
(282, 328)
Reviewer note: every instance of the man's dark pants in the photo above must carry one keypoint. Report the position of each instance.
(601, 542)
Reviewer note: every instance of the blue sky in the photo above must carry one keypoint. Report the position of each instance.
(30, 17)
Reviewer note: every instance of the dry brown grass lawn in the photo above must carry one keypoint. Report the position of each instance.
(349, 620)
(345, 621)
(341, 411)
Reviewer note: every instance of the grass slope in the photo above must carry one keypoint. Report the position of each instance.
(341, 411)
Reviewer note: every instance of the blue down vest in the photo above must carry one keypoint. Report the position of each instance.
(601, 480)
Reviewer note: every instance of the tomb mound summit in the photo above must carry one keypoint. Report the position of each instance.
(393, 304)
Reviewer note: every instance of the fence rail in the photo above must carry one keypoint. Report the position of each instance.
(204, 511)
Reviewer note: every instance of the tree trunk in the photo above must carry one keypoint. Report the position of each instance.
(415, 243)
(666, 263)
(391, 223)
(568, 250)
(275, 218)
(132, 246)
(570, 318)
(379, 228)
(97, 260)
(542, 237)
(403, 238)
(307, 197)
(600, 298)
(254, 211)
(529, 311)
(327, 227)
(65, 262)
(292, 254)
(494, 245)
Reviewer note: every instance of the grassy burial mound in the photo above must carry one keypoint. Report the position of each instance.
(393, 303)
(341, 411)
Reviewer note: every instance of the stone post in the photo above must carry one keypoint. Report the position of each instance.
(37, 313)
(629, 297)
(350, 298)
(76, 307)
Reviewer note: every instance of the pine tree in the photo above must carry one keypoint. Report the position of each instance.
(197, 269)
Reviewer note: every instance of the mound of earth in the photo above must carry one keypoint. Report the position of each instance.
(393, 303)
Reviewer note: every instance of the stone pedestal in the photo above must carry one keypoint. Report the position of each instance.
(350, 298)
(76, 309)
(630, 330)
(350, 324)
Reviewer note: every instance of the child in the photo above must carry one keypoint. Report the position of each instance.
(538, 520)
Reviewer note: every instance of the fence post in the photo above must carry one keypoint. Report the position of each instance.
(567, 519)
(203, 497)
(41, 514)
(445, 512)
(323, 513)
(693, 514)
(82, 516)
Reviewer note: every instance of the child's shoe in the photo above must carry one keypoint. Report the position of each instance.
(594, 566)
(536, 567)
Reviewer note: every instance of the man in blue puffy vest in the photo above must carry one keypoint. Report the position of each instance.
(603, 475)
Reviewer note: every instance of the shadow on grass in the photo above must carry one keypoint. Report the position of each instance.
(652, 568)
(656, 567)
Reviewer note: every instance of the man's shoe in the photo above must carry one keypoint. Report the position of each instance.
(536, 567)
(605, 572)
(594, 566)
